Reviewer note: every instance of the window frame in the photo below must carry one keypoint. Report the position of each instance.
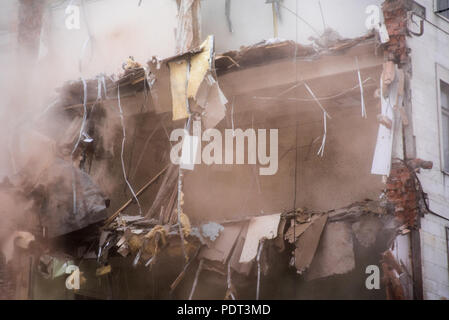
(442, 74)
(435, 10)
(447, 246)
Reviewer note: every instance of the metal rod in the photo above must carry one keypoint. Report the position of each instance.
(184, 270)
(111, 218)
(197, 275)
(275, 20)
(258, 269)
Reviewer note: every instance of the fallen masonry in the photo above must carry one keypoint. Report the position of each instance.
(306, 220)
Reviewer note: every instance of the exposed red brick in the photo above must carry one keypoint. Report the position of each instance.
(402, 193)
(395, 16)
(393, 287)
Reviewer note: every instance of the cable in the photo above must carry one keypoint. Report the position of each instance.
(123, 148)
(83, 123)
(300, 18)
(322, 16)
(296, 141)
(308, 99)
(259, 251)
(424, 19)
(362, 99)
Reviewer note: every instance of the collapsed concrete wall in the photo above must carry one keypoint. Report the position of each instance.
(190, 200)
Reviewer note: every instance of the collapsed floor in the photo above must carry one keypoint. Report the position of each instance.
(108, 200)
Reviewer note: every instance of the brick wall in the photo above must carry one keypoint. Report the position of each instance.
(395, 15)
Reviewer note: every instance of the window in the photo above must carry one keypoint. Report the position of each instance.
(442, 85)
(447, 244)
(418, 9)
(442, 8)
(444, 103)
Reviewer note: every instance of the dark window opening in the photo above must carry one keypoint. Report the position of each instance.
(447, 245)
(444, 102)
(443, 8)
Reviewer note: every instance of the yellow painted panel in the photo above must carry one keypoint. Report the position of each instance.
(178, 86)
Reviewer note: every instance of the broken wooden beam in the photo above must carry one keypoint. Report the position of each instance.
(111, 218)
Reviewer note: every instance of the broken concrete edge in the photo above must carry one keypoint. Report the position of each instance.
(133, 235)
(403, 206)
(269, 51)
(133, 79)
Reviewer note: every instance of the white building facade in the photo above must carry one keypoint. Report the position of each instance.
(429, 93)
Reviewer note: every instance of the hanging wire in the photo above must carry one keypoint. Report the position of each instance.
(300, 18)
(322, 16)
(296, 135)
(84, 117)
(232, 116)
(100, 84)
(342, 93)
(323, 142)
(325, 115)
(83, 51)
(83, 124)
(362, 99)
(89, 38)
(122, 121)
(258, 269)
(47, 108)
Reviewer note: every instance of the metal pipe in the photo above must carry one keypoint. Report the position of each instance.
(422, 25)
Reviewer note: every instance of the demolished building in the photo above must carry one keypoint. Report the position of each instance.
(111, 217)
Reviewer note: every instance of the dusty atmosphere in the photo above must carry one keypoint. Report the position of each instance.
(311, 142)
